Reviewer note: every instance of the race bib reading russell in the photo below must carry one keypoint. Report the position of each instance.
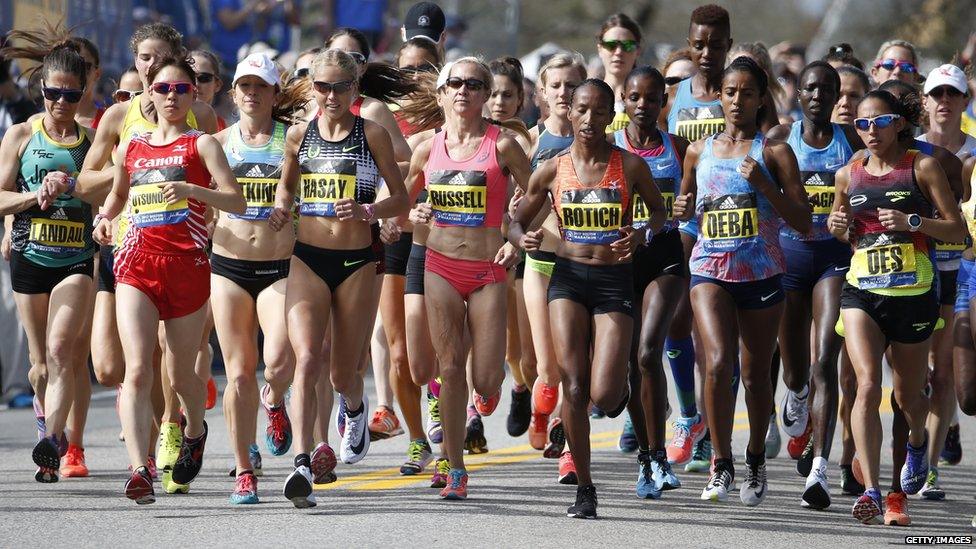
(458, 198)
(729, 221)
(884, 260)
(591, 216)
(324, 183)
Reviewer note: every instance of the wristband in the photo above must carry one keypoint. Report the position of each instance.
(98, 219)
(72, 183)
(368, 209)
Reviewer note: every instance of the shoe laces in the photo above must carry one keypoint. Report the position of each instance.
(276, 417)
(681, 434)
(455, 478)
(415, 451)
(586, 494)
(720, 477)
(645, 467)
(703, 450)
(755, 475)
(443, 466)
(246, 484)
(434, 409)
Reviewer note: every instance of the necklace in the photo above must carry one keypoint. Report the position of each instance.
(735, 139)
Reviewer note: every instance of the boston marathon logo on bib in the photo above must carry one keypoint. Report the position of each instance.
(820, 193)
(147, 207)
(57, 234)
(729, 221)
(325, 182)
(591, 216)
(459, 198)
(884, 260)
(259, 183)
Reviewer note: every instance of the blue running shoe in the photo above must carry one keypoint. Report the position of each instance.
(22, 400)
(916, 469)
(596, 412)
(662, 473)
(628, 439)
(647, 488)
(254, 456)
(277, 437)
(246, 490)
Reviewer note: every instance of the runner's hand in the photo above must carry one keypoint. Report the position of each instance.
(5, 246)
(893, 220)
(624, 248)
(750, 171)
(348, 209)
(507, 255)
(532, 240)
(54, 185)
(421, 214)
(175, 191)
(279, 217)
(515, 201)
(103, 232)
(390, 232)
(683, 206)
(838, 221)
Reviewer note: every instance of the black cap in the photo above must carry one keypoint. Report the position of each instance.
(424, 19)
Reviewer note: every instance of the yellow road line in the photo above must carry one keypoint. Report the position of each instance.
(390, 478)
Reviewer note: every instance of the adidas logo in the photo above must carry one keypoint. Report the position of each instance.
(816, 181)
(59, 214)
(155, 176)
(704, 114)
(590, 198)
(458, 179)
(255, 171)
(727, 204)
(883, 240)
(327, 167)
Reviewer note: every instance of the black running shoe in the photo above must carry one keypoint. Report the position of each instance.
(585, 507)
(190, 461)
(805, 463)
(848, 484)
(474, 439)
(952, 451)
(47, 457)
(519, 413)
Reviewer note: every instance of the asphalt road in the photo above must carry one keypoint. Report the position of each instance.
(514, 501)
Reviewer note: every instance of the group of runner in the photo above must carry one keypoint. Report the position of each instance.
(404, 217)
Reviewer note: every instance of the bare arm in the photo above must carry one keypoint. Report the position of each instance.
(227, 196)
(376, 111)
(684, 203)
(967, 178)
(791, 203)
(288, 184)
(96, 177)
(528, 208)
(12, 201)
(931, 178)
(382, 148)
(206, 117)
(839, 221)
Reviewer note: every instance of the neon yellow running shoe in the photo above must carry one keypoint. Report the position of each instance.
(170, 441)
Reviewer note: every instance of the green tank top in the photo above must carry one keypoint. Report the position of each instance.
(62, 234)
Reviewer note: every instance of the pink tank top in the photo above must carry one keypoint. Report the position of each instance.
(470, 192)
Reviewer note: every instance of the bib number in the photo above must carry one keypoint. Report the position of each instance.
(259, 193)
(591, 216)
(148, 208)
(330, 182)
(886, 261)
(56, 234)
(458, 198)
(729, 222)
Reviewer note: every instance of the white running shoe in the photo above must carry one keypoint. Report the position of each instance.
(773, 441)
(795, 413)
(718, 486)
(816, 492)
(298, 488)
(753, 489)
(355, 438)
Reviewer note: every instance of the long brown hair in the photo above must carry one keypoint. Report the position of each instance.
(52, 46)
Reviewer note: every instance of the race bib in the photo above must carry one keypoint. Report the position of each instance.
(729, 221)
(331, 181)
(820, 193)
(693, 123)
(884, 261)
(591, 216)
(641, 213)
(55, 235)
(948, 251)
(458, 198)
(259, 183)
(148, 208)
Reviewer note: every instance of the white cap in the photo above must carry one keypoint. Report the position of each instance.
(946, 75)
(444, 74)
(260, 65)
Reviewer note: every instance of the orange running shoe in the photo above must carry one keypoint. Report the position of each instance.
(384, 424)
(74, 463)
(896, 509)
(687, 432)
(544, 397)
(538, 430)
(567, 469)
(457, 485)
(211, 394)
(486, 405)
(796, 445)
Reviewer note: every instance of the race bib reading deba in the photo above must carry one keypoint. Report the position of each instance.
(729, 221)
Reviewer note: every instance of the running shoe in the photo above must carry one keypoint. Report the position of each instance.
(384, 424)
(486, 405)
(211, 393)
(298, 488)
(952, 451)
(627, 443)
(701, 456)
(567, 469)
(277, 437)
(754, 486)
(544, 397)
(151, 465)
(538, 430)
(188, 465)
(245, 490)
(931, 490)
(434, 430)
(773, 441)
(596, 412)
(355, 442)
(74, 463)
(896, 509)
(687, 432)
(341, 417)
(139, 487)
(805, 463)
(849, 485)
(457, 485)
(557, 439)
(47, 457)
(816, 491)
(39, 417)
(585, 507)
(867, 508)
(915, 471)
(796, 445)
(419, 455)
(322, 463)
(646, 487)
(474, 438)
(519, 412)
(170, 442)
(718, 486)
(21, 400)
(254, 459)
(663, 474)
(795, 412)
(441, 468)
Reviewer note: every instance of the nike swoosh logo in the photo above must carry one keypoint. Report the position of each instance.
(361, 444)
(768, 297)
(833, 166)
(669, 267)
(350, 149)
(674, 354)
(897, 198)
(787, 422)
(841, 268)
(760, 493)
(348, 263)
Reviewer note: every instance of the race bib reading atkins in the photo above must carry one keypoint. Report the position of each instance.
(693, 123)
(884, 260)
(591, 216)
(458, 198)
(325, 182)
(147, 207)
(820, 193)
(259, 182)
(642, 215)
(729, 221)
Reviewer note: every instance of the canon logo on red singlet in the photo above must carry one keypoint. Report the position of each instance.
(142, 163)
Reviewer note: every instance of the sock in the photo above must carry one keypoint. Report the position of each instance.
(659, 455)
(708, 435)
(819, 463)
(519, 389)
(681, 356)
(434, 386)
(724, 463)
(303, 460)
(755, 459)
(472, 411)
(354, 413)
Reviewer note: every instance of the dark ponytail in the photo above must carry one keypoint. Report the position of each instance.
(53, 47)
(907, 103)
(605, 90)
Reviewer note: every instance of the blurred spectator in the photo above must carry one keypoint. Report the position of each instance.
(791, 54)
(454, 29)
(240, 22)
(842, 54)
(15, 105)
(275, 27)
(425, 19)
(677, 67)
(530, 107)
(374, 18)
(185, 15)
